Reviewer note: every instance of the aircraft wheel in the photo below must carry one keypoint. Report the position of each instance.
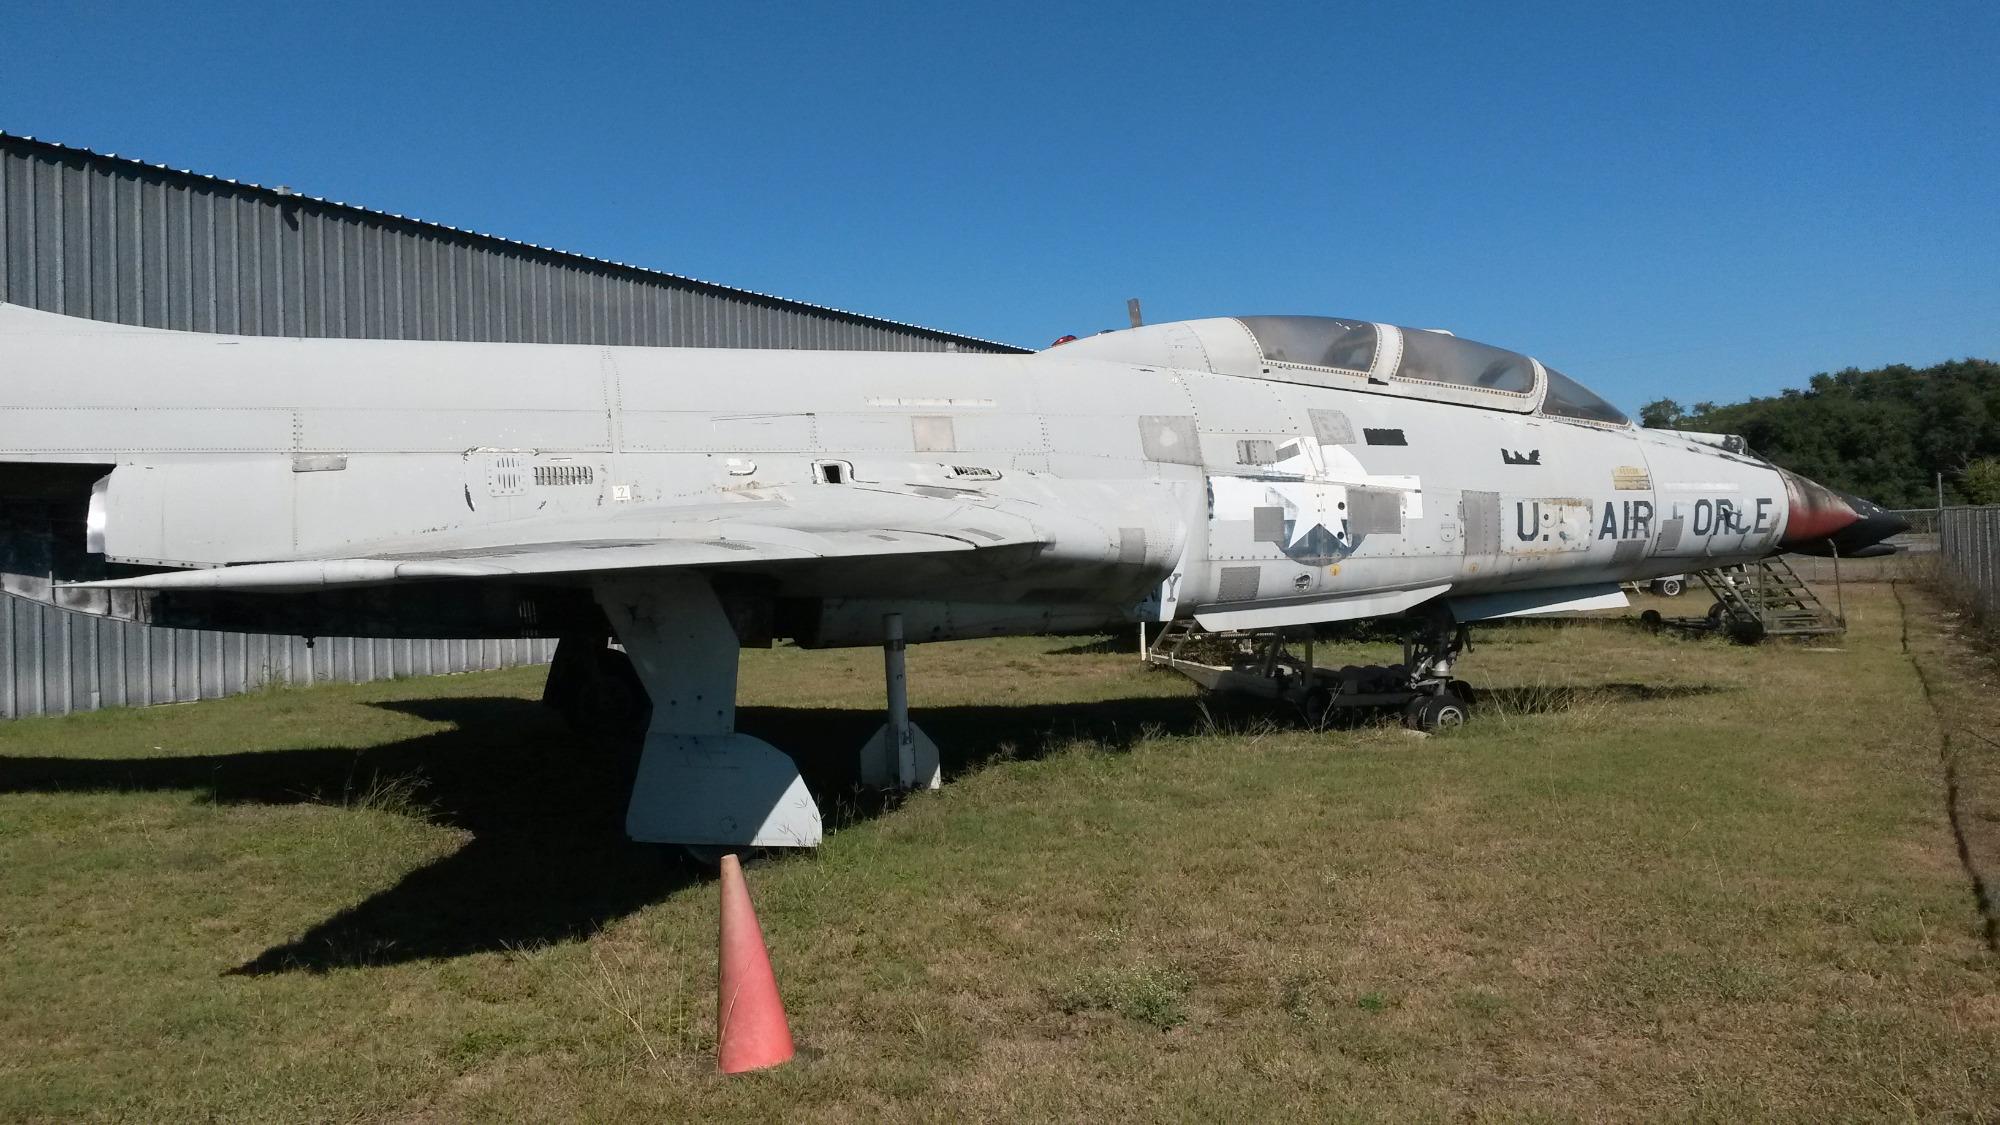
(1442, 711)
(1651, 620)
(1746, 632)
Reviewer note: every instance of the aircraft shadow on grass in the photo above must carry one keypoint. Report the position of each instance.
(548, 860)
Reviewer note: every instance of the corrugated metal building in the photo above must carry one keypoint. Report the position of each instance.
(120, 240)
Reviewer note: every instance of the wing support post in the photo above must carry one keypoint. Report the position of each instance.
(700, 781)
(900, 755)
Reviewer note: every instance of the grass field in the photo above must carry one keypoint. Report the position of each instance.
(1655, 879)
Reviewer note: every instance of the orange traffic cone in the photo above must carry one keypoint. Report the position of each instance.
(750, 1029)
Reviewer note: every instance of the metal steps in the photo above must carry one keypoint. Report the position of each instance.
(1767, 599)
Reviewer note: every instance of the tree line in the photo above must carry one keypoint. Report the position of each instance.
(1885, 434)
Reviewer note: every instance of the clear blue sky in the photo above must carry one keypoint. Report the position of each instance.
(1696, 200)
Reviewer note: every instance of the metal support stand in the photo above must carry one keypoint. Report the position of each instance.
(900, 755)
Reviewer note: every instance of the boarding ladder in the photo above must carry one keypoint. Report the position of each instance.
(1767, 599)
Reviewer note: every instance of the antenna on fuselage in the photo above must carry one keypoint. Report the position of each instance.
(1132, 310)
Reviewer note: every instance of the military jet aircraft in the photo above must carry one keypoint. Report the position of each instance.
(1258, 472)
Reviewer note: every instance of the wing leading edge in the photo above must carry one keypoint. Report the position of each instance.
(856, 524)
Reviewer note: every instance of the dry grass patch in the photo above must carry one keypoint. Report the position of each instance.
(1654, 878)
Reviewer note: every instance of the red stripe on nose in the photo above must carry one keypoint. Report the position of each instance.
(1817, 512)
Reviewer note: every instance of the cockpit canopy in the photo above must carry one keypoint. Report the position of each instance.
(1433, 357)
(1315, 341)
(1359, 355)
(1567, 398)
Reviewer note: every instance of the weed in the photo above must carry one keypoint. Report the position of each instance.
(1149, 994)
(1303, 989)
(608, 981)
(397, 795)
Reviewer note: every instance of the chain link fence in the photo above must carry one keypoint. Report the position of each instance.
(1969, 558)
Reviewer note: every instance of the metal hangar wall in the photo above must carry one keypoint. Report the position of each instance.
(116, 239)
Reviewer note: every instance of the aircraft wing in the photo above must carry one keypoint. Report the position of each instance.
(855, 522)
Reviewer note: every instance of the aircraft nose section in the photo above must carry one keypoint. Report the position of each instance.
(1824, 522)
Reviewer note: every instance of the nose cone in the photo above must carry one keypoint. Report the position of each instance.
(1824, 522)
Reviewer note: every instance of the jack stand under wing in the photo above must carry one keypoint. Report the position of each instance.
(900, 755)
(700, 781)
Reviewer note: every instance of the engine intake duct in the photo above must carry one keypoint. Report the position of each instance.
(45, 539)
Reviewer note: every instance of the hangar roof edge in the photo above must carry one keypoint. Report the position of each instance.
(57, 148)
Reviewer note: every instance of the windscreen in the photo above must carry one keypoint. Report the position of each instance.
(1568, 398)
(1438, 358)
(1315, 341)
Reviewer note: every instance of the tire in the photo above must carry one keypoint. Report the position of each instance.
(1431, 713)
(1670, 587)
(1746, 632)
(1715, 613)
(1651, 620)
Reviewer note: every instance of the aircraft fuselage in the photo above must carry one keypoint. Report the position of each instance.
(1185, 491)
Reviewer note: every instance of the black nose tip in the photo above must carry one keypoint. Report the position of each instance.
(1864, 538)
(1868, 535)
(1824, 522)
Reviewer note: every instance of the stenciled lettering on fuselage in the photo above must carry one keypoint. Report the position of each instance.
(1626, 519)
(1723, 516)
(1546, 523)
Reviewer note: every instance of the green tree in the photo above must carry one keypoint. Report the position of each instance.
(1662, 414)
(1883, 434)
(1980, 481)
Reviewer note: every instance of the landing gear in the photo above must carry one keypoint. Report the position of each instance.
(1261, 664)
(1440, 703)
(1437, 642)
(1443, 711)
